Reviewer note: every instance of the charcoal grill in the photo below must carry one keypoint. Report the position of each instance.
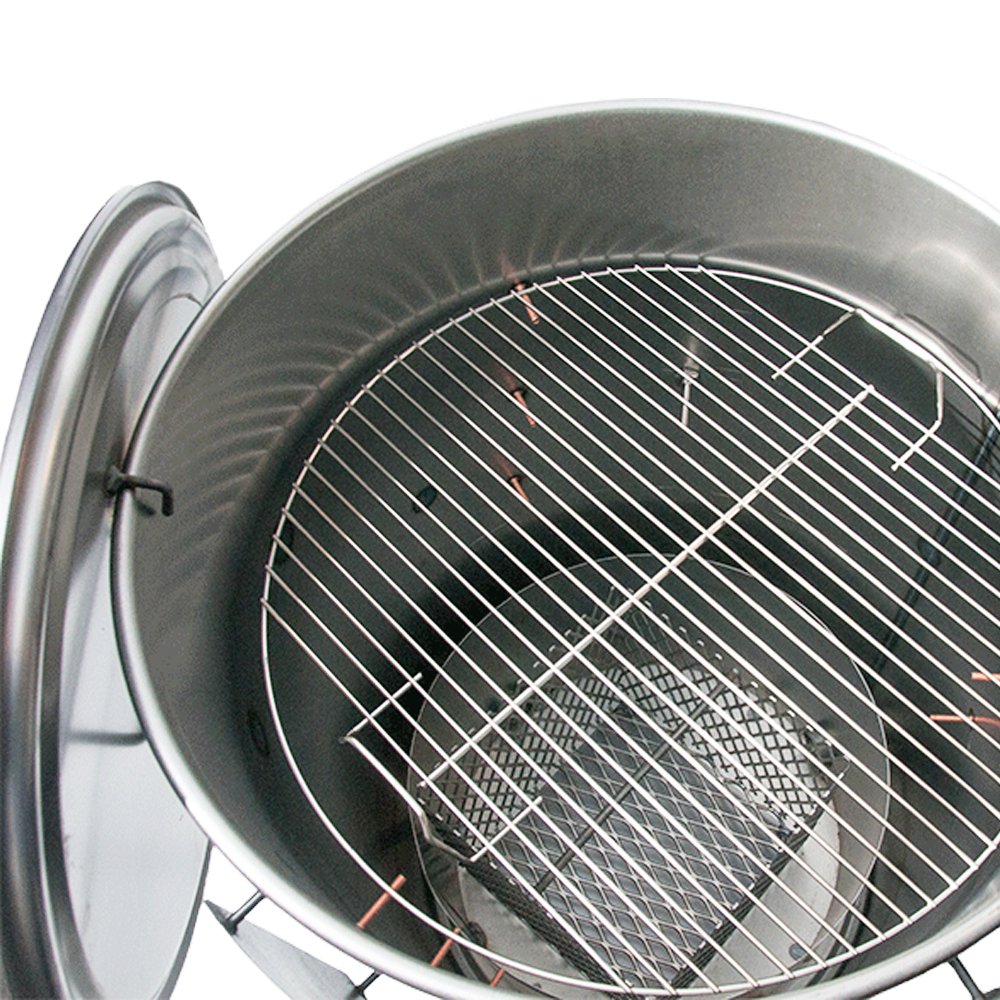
(582, 576)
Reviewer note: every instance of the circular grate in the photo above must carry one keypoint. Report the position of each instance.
(663, 599)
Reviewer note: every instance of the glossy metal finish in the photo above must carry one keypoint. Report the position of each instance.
(101, 865)
(309, 319)
(367, 584)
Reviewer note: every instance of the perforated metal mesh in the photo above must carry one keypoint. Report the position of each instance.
(703, 832)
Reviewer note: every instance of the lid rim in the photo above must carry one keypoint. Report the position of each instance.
(47, 493)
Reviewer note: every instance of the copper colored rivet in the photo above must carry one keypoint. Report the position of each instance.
(979, 720)
(526, 299)
(442, 952)
(397, 883)
(518, 394)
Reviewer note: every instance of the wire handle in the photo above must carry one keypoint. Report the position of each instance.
(116, 481)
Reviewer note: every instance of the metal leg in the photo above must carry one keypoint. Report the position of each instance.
(969, 983)
(236, 917)
(359, 990)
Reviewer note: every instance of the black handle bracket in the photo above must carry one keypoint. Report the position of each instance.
(116, 481)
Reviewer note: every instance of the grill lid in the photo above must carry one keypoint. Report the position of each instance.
(102, 867)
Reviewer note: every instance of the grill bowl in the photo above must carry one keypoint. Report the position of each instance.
(294, 334)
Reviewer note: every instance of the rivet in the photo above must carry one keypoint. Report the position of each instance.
(258, 734)
(424, 498)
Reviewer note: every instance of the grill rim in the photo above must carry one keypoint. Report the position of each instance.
(171, 750)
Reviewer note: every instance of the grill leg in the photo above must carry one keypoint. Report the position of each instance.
(969, 983)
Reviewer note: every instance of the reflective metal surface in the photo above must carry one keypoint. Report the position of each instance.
(558, 423)
(296, 972)
(101, 866)
(347, 286)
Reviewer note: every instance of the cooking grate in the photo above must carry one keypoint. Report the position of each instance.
(650, 606)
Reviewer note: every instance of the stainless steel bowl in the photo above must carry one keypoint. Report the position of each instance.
(821, 224)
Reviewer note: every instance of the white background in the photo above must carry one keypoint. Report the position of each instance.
(257, 111)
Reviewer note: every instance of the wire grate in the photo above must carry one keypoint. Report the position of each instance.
(652, 603)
